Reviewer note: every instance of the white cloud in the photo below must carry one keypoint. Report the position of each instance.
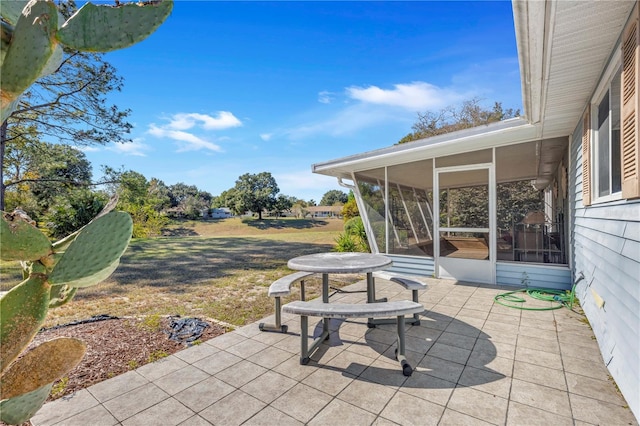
(88, 148)
(415, 96)
(223, 120)
(136, 148)
(325, 97)
(350, 120)
(193, 140)
(371, 106)
(188, 141)
(266, 136)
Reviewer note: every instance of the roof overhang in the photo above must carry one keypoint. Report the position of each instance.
(506, 132)
(563, 49)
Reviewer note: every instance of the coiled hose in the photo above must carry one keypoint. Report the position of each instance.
(559, 298)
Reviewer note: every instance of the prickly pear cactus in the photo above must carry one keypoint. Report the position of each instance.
(33, 34)
(53, 273)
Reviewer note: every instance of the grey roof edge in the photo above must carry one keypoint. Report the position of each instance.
(445, 139)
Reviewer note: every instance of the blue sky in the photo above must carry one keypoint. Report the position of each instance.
(227, 88)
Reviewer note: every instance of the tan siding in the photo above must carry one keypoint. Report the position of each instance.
(630, 149)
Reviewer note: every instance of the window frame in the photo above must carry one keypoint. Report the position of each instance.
(604, 87)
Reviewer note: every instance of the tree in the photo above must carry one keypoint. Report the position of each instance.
(225, 199)
(68, 106)
(450, 119)
(255, 193)
(137, 197)
(41, 172)
(350, 208)
(72, 211)
(283, 203)
(333, 197)
(190, 199)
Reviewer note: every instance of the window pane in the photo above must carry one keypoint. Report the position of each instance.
(411, 208)
(616, 172)
(603, 153)
(372, 192)
(464, 199)
(603, 110)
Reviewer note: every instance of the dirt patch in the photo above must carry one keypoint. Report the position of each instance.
(116, 346)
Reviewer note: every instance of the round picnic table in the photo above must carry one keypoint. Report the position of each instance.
(341, 263)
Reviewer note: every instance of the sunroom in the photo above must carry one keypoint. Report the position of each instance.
(499, 193)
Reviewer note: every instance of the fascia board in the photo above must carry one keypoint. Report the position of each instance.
(431, 148)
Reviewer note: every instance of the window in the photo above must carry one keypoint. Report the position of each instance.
(605, 146)
(611, 126)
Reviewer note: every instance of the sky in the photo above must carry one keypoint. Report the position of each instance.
(227, 88)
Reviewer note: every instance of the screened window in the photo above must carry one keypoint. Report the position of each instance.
(606, 142)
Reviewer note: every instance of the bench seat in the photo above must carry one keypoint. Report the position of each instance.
(282, 287)
(408, 282)
(353, 310)
(396, 309)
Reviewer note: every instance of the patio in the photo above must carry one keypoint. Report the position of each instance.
(476, 362)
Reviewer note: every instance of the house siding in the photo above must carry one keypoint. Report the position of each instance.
(419, 266)
(539, 276)
(605, 243)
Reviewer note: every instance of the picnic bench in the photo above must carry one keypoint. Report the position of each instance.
(408, 282)
(396, 309)
(282, 287)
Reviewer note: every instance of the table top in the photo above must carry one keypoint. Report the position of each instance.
(340, 262)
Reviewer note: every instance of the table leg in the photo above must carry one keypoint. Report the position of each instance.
(371, 297)
(325, 299)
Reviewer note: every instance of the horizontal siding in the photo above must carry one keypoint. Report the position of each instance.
(521, 275)
(605, 247)
(419, 266)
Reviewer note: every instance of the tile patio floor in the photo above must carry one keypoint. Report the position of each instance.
(476, 362)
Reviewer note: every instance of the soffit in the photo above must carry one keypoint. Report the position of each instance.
(579, 38)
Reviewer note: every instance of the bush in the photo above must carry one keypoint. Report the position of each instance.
(354, 237)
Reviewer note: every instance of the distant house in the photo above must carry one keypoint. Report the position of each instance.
(217, 213)
(578, 143)
(325, 211)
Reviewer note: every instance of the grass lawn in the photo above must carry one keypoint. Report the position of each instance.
(219, 269)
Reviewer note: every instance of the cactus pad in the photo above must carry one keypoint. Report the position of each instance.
(61, 294)
(21, 408)
(105, 28)
(20, 240)
(44, 364)
(32, 44)
(11, 10)
(95, 252)
(22, 312)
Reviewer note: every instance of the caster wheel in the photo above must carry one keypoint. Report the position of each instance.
(407, 370)
(261, 326)
(304, 361)
(396, 354)
(371, 325)
(415, 323)
(284, 328)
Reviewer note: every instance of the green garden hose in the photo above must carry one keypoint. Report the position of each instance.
(560, 298)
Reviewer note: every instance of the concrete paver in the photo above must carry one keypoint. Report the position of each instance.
(475, 362)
